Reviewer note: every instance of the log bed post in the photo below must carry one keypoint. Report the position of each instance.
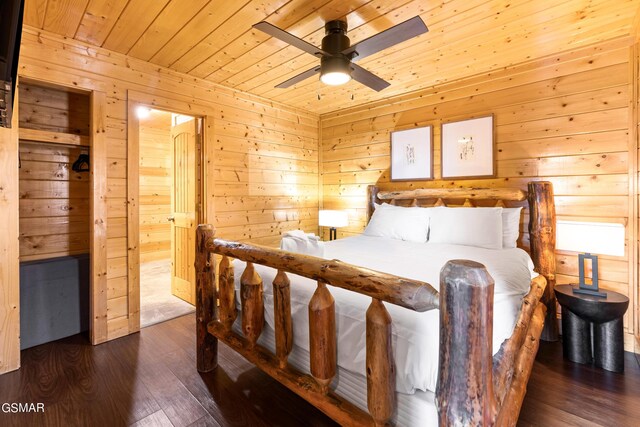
(227, 294)
(464, 392)
(322, 337)
(206, 308)
(282, 317)
(372, 198)
(381, 369)
(542, 232)
(252, 304)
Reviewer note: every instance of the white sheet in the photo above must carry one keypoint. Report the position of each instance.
(413, 410)
(415, 335)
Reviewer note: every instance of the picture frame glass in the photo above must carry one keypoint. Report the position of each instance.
(412, 154)
(467, 148)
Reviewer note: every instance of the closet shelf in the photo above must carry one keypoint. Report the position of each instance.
(53, 137)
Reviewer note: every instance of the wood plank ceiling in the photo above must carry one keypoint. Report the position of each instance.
(214, 40)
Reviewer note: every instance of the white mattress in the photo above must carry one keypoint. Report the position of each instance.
(415, 335)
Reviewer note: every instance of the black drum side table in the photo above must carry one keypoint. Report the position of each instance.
(579, 313)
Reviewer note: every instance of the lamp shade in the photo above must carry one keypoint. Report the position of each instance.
(600, 238)
(336, 219)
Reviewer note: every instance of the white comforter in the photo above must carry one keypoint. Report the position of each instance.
(415, 335)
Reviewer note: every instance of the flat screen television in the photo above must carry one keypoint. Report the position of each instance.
(11, 12)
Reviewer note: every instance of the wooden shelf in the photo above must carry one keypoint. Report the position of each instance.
(53, 137)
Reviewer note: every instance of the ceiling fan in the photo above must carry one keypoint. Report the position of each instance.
(337, 56)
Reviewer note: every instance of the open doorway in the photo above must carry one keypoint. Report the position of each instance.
(169, 195)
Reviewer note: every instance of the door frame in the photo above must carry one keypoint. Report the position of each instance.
(205, 212)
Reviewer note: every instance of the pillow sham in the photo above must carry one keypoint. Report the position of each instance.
(480, 227)
(510, 227)
(400, 223)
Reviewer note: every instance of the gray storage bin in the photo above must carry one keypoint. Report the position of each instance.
(54, 299)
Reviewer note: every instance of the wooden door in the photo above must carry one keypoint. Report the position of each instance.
(184, 210)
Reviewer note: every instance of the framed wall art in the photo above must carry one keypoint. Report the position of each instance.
(412, 154)
(468, 148)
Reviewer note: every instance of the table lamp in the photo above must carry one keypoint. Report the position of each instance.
(333, 219)
(590, 238)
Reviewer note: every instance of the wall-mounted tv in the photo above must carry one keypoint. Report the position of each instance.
(11, 12)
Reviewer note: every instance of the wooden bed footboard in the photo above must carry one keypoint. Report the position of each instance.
(474, 387)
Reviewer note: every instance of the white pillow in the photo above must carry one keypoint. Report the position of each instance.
(510, 227)
(390, 206)
(481, 227)
(400, 223)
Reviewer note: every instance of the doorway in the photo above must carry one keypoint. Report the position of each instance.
(168, 202)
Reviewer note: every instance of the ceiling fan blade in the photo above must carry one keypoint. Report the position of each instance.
(392, 36)
(367, 78)
(300, 77)
(276, 32)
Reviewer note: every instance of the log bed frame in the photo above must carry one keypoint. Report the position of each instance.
(474, 387)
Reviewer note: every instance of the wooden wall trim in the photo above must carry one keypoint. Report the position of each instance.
(98, 236)
(634, 210)
(635, 26)
(208, 178)
(320, 174)
(133, 215)
(9, 248)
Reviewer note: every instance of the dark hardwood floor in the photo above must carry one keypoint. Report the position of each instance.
(149, 379)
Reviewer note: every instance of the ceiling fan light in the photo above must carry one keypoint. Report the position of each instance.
(335, 78)
(335, 70)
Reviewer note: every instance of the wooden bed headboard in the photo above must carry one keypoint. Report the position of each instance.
(542, 222)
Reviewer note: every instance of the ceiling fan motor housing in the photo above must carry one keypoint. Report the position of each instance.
(335, 40)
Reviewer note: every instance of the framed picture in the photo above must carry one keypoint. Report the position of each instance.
(468, 148)
(412, 154)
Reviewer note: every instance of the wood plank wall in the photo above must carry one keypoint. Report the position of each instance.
(53, 110)
(54, 200)
(265, 166)
(564, 118)
(155, 187)
(266, 174)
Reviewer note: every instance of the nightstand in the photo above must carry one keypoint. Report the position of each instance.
(592, 327)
